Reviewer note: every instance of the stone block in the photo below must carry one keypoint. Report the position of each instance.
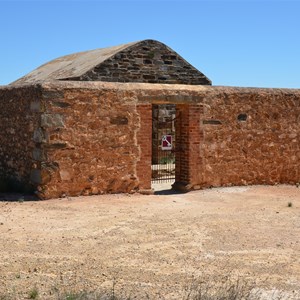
(212, 122)
(38, 154)
(119, 120)
(35, 106)
(53, 94)
(39, 135)
(57, 145)
(52, 121)
(65, 175)
(61, 104)
(36, 176)
(146, 191)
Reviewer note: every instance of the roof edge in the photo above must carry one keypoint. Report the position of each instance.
(121, 86)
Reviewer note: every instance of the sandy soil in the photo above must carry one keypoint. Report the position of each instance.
(152, 245)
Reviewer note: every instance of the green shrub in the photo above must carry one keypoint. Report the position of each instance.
(33, 294)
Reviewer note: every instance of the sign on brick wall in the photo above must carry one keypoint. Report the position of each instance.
(166, 142)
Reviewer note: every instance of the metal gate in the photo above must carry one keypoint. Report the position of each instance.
(163, 143)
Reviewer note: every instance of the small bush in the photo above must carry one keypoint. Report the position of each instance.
(33, 294)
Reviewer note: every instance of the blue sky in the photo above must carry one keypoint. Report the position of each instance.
(236, 43)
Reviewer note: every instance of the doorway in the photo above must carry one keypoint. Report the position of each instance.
(163, 145)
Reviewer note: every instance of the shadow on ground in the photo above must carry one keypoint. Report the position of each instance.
(168, 192)
(17, 197)
(165, 188)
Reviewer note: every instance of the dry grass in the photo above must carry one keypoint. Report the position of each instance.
(225, 288)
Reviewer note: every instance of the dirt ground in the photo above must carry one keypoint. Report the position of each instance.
(154, 245)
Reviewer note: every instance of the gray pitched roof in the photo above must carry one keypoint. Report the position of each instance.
(77, 64)
(73, 65)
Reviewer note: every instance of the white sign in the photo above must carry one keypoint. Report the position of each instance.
(166, 142)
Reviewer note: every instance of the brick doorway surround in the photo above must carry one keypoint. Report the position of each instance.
(188, 156)
(188, 137)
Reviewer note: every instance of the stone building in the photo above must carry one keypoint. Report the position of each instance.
(146, 61)
(82, 124)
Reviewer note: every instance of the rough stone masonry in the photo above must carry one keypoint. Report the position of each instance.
(64, 131)
(88, 138)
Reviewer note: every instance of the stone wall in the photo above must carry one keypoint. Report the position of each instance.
(82, 138)
(148, 62)
(18, 120)
(91, 145)
(250, 136)
(233, 136)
